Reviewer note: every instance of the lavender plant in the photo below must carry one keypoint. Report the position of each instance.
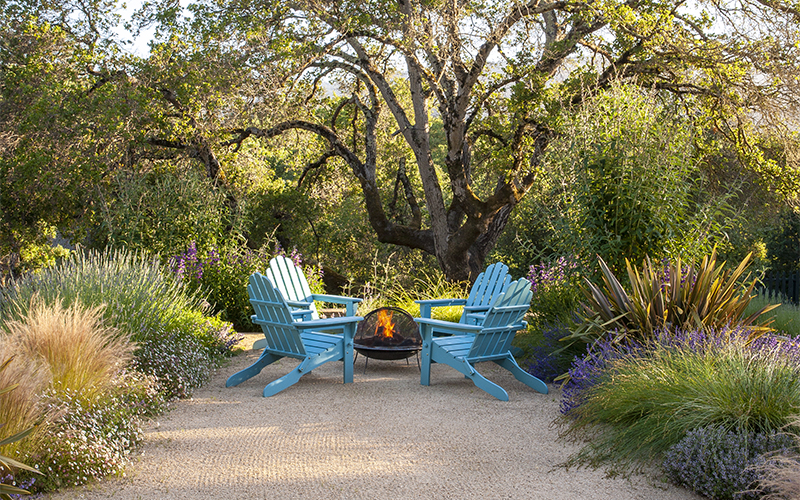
(556, 292)
(721, 464)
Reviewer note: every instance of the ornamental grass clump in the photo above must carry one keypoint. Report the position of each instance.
(705, 296)
(634, 401)
(81, 353)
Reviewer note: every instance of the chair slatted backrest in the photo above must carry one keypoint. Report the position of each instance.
(502, 321)
(274, 317)
(488, 285)
(290, 280)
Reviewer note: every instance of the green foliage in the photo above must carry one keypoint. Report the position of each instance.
(626, 183)
(222, 276)
(678, 297)
(159, 212)
(783, 244)
(434, 286)
(647, 399)
(783, 318)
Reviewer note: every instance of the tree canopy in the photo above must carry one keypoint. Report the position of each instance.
(442, 111)
(497, 77)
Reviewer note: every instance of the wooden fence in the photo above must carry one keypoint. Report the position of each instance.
(781, 286)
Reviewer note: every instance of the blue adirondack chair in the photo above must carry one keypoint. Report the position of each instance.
(486, 288)
(292, 283)
(286, 337)
(490, 341)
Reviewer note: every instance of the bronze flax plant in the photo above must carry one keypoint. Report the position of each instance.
(678, 297)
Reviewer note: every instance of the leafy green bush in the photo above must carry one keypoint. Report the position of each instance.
(675, 297)
(625, 182)
(222, 276)
(647, 396)
(159, 212)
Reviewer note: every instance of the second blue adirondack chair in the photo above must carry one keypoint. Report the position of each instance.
(285, 336)
(490, 341)
(489, 284)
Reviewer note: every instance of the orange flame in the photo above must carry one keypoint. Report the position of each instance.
(385, 326)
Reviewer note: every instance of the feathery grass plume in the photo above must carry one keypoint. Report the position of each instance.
(19, 408)
(82, 354)
(646, 397)
(780, 474)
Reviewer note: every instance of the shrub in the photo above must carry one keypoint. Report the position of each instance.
(556, 291)
(134, 288)
(222, 276)
(93, 439)
(544, 355)
(721, 464)
(626, 183)
(143, 303)
(677, 297)
(649, 396)
(176, 358)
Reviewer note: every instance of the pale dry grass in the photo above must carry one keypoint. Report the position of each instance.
(781, 475)
(19, 408)
(81, 353)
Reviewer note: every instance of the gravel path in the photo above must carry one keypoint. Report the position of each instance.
(383, 437)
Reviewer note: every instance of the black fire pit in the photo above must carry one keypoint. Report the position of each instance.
(387, 333)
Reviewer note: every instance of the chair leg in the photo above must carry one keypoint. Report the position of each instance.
(488, 386)
(287, 380)
(523, 376)
(252, 370)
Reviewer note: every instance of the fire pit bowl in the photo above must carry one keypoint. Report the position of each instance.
(387, 333)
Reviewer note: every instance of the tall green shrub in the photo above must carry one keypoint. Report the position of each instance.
(626, 183)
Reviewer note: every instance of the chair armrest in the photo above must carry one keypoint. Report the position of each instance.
(347, 324)
(425, 305)
(428, 326)
(350, 302)
(327, 323)
(299, 303)
(303, 313)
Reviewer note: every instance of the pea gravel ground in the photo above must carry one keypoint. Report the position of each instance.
(383, 437)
